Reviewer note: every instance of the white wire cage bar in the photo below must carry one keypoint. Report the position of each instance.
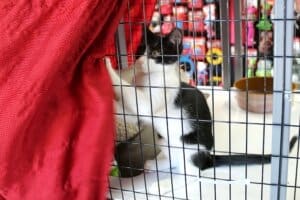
(283, 21)
(283, 44)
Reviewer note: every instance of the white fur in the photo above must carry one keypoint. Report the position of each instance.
(154, 103)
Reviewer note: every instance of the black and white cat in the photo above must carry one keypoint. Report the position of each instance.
(179, 113)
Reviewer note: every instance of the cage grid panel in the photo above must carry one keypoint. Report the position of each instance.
(282, 105)
(236, 131)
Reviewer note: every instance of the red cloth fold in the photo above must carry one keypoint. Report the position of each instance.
(56, 121)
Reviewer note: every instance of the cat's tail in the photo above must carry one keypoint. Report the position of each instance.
(205, 160)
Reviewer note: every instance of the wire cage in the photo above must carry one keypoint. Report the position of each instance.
(243, 55)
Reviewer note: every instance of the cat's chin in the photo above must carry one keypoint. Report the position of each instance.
(148, 65)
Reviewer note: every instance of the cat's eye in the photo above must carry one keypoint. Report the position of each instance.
(155, 53)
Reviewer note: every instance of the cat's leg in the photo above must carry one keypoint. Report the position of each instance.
(125, 92)
(187, 157)
(180, 154)
(167, 158)
(180, 159)
(114, 74)
(172, 156)
(162, 161)
(171, 145)
(177, 155)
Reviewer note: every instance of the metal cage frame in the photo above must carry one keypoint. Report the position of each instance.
(282, 95)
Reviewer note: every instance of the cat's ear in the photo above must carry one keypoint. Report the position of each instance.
(176, 36)
(147, 37)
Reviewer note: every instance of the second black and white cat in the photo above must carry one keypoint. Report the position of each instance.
(179, 113)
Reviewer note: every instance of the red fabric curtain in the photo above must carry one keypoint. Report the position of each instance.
(56, 121)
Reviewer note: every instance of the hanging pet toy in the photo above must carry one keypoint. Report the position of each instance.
(214, 56)
(264, 68)
(251, 17)
(189, 68)
(264, 23)
(265, 46)
(202, 73)
(210, 16)
(251, 60)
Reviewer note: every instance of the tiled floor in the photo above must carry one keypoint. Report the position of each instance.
(247, 180)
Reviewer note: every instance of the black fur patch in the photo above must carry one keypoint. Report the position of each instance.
(194, 103)
(164, 50)
(205, 160)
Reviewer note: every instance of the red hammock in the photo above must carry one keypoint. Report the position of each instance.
(56, 121)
